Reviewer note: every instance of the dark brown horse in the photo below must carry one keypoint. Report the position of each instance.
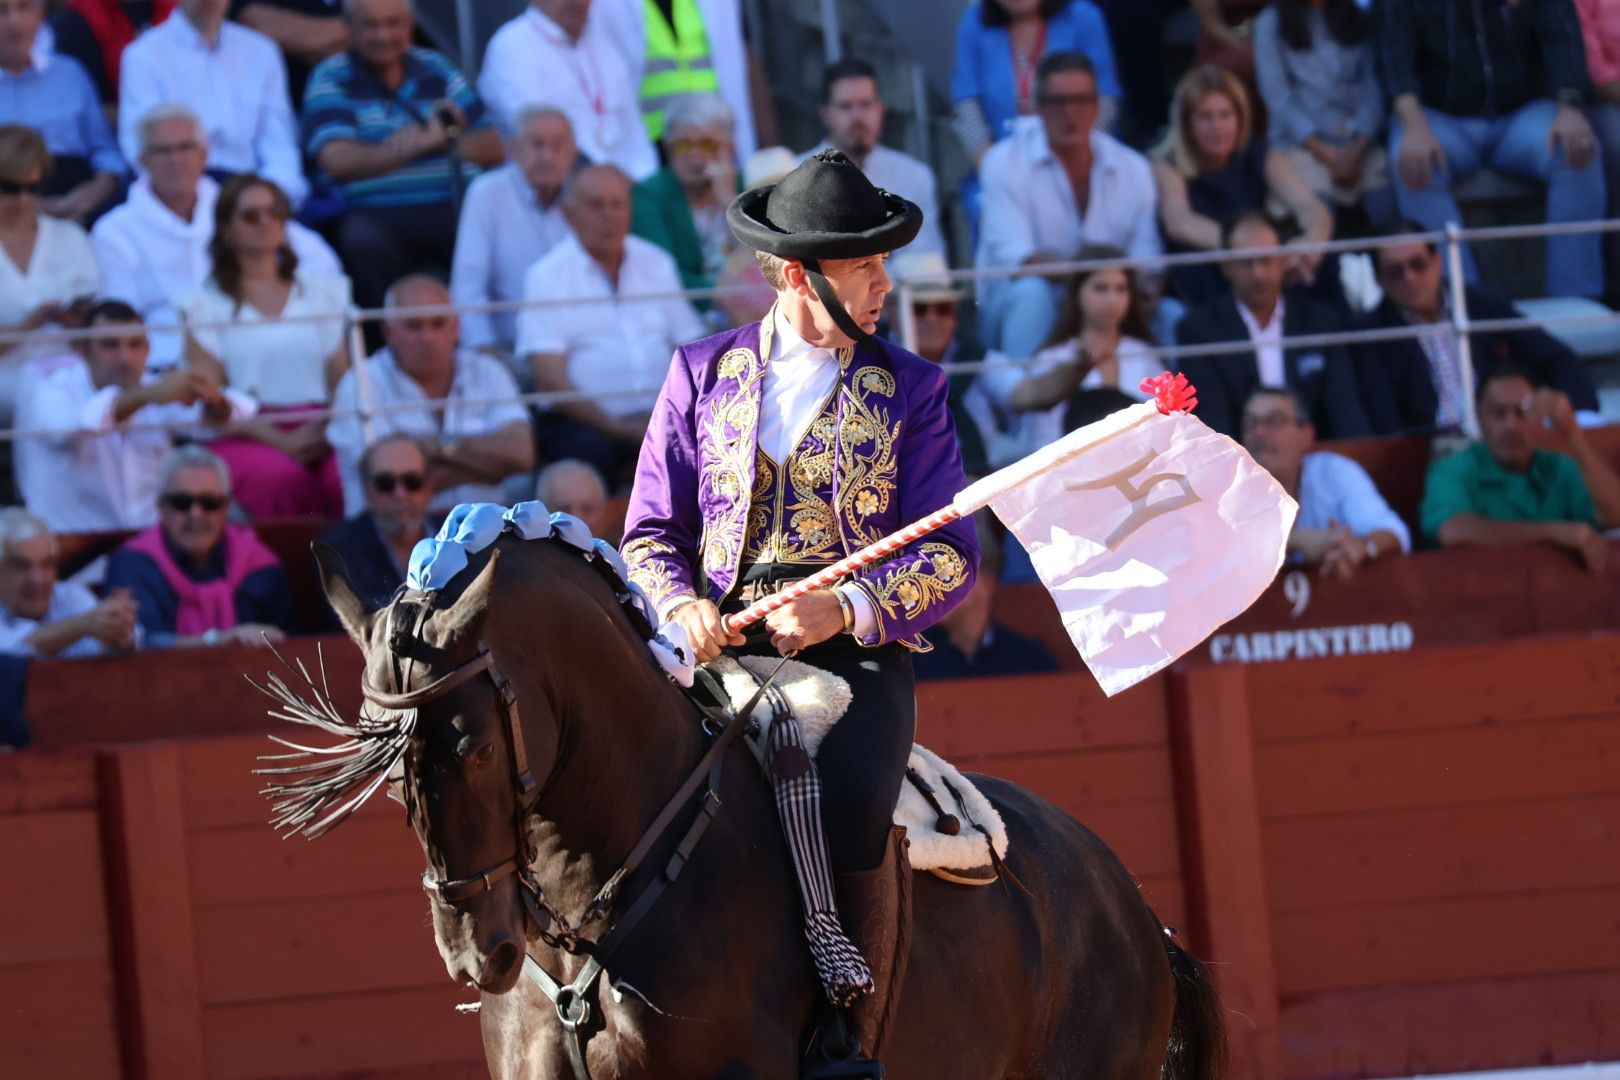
(1070, 975)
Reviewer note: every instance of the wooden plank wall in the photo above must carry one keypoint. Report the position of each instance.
(58, 996)
(1441, 836)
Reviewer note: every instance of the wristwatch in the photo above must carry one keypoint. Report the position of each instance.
(848, 610)
(211, 636)
(1572, 97)
(1371, 549)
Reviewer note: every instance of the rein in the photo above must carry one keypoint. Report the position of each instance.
(572, 999)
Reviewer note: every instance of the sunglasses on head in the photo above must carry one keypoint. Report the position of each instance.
(941, 308)
(181, 502)
(386, 482)
(14, 187)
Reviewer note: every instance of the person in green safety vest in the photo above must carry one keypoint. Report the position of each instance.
(677, 61)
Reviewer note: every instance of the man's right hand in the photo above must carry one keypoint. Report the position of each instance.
(701, 621)
(1586, 542)
(1421, 154)
(112, 622)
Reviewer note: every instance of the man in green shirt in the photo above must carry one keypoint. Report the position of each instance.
(1503, 490)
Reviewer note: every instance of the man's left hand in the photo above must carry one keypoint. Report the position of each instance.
(1570, 129)
(1554, 405)
(811, 619)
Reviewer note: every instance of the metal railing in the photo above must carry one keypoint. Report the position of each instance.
(1449, 241)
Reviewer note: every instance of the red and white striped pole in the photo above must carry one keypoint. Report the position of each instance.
(1171, 393)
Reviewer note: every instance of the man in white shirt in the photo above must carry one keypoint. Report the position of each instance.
(234, 77)
(461, 406)
(153, 249)
(605, 320)
(511, 217)
(852, 115)
(1343, 522)
(97, 470)
(1052, 185)
(41, 616)
(556, 54)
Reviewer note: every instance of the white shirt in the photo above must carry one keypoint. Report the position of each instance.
(68, 600)
(1267, 339)
(94, 475)
(530, 61)
(482, 399)
(626, 23)
(61, 269)
(237, 85)
(1029, 204)
(504, 230)
(1333, 488)
(280, 361)
(908, 178)
(799, 377)
(150, 257)
(614, 341)
(1136, 360)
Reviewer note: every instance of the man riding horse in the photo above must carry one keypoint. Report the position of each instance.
(780, 447)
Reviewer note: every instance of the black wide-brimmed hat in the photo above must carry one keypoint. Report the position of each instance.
(824, 209)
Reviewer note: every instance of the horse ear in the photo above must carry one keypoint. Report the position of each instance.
(351, 610)
(465, 618)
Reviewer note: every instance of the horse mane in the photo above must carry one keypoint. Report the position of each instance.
(313, 789)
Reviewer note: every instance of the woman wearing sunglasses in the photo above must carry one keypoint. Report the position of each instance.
(264, 328)
(47, 270)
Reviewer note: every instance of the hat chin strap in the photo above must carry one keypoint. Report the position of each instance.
(830, 301)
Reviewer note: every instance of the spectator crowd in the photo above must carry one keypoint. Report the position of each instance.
(197, 195)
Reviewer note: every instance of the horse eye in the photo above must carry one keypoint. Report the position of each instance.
(485, 754)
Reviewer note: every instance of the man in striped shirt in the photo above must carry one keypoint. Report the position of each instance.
(400, 132)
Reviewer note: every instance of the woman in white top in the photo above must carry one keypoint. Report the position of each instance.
(1101, 339)
(48, 274)
(257, 326)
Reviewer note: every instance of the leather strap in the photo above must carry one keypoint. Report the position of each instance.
(830, 301)
(415, 699)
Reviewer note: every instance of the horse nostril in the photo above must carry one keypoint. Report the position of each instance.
(506, 956)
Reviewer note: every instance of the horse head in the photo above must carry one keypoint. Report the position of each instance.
(470, 768)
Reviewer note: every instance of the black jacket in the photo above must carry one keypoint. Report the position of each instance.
(1397, 386)
(1323, 376)
(1481, 58)
(370, 565)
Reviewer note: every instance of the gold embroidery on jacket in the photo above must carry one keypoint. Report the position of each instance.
(649, 562)
(921, 584)
(728, 439)
(802, 529)
(868, 467)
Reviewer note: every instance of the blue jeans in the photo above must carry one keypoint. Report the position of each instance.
(1515, 144)
(1018, 313)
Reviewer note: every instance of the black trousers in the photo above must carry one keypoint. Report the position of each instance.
(381, 244)
(862, 761)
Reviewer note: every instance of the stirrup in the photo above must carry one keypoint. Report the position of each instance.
(835, 1052)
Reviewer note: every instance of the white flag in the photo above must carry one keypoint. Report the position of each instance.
(1149, 530)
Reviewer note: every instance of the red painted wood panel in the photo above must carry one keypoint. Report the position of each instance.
(251, 864)
(36, 781)
(1453, 1026)
(346, 1035)
(51, 896)
(59, 1020)
(1448, 852)
(1488, 763)
(969, 720)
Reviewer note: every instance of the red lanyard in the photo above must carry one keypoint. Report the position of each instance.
(1024, 68)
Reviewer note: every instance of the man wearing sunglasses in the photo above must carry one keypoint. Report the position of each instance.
(1414, 385)
(196, 579)
(376, 543)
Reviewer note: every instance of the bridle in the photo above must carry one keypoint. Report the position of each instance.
(571, 999)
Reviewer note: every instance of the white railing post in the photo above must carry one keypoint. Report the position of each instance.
(362, 378)
(832, 44)
(908, 317)
(1459, 327)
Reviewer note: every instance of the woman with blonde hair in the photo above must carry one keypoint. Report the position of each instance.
(261, 326)
(1212, 165)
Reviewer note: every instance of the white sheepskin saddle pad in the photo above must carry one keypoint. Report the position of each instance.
(818, 699)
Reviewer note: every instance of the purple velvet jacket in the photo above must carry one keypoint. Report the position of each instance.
(893, 456)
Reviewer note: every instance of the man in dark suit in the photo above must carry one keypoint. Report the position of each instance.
(376, 543)
(1254, 316)
(1414, 385)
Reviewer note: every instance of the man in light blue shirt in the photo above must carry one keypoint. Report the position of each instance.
(53, 95)
(1056, 183)
(1343, 522)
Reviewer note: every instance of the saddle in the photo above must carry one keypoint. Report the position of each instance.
(955, 832)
